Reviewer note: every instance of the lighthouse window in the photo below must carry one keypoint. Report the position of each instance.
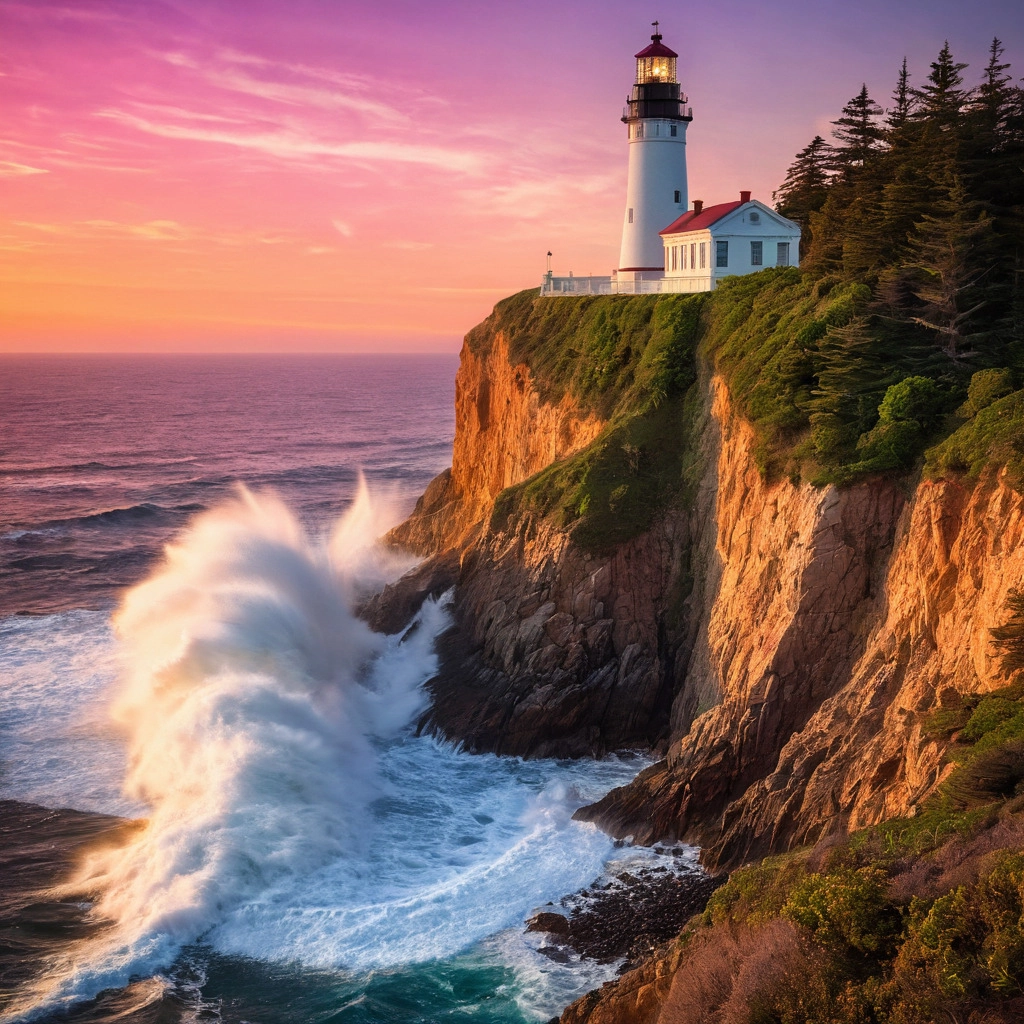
(657, 129)
(672, 132)
(631, 215)
(678, 196)
(755, 253)
(721, 254)
(640, 130)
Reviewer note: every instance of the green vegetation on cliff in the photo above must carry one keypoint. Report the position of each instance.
(632, 360)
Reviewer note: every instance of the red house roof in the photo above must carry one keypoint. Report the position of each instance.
(691, 221)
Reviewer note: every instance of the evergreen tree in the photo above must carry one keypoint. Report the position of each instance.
(993, 103)
(806, 183)
(1009, 637)
(941, 99)
(902, 105)
(857, 131)
(806, 186)
(949, 272)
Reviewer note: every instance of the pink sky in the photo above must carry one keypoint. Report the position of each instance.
(316, 175)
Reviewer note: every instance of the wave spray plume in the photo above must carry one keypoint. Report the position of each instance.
(251, 716)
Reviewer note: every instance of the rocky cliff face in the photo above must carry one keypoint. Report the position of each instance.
(840, 620)
(784, 642)
(504, 434)
(555, 652)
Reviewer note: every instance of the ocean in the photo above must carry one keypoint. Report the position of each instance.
(182, 541)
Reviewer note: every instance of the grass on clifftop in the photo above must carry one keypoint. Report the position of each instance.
(611, 353)
(633, 361)
(831, 397)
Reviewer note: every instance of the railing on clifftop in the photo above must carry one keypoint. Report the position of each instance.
(553, 287)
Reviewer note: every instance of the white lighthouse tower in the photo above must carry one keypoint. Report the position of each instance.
(656, 116)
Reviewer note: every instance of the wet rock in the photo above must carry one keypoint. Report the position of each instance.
(548, 921)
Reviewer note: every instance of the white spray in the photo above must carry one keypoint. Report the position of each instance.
(251, 728)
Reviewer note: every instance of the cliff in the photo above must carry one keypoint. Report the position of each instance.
(567, 625)
(629, 574)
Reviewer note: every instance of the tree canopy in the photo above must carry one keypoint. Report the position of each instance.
(922, 204)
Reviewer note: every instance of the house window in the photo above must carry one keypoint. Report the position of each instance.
(755, 218)
(678, 196)
(782, 254)
(630, 215)
(672, 130)
(666, 260)
(703, 255)
(693, 255)
(675, 255)
(682, 257)
(755, 254)
(721, 254)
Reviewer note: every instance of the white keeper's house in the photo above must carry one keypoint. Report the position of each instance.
(667, 246)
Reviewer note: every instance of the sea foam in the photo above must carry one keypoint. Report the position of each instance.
(250, 718)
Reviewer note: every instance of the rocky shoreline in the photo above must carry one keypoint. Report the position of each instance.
(629, 914)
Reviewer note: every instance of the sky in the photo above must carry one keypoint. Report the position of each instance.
(332, 175)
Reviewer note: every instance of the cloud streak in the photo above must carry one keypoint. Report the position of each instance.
(9, 169)
(293, 145)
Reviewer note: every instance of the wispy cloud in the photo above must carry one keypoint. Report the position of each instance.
(294, 145)
(9, 169)
(342, 228)
(51, 12)
(350, 93)
(151, 231)
(33, 234)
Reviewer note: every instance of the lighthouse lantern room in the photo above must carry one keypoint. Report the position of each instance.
(656, 117)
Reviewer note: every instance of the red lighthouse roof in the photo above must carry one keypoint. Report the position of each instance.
(656, 48)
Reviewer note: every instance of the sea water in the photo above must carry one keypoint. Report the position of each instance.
(179, 648)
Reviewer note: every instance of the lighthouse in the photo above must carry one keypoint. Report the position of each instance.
(656, 118)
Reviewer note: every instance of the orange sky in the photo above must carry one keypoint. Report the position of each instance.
(312, 175)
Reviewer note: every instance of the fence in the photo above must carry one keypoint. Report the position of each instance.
(567, 286)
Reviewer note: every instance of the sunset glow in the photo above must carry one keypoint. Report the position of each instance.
(325, 176)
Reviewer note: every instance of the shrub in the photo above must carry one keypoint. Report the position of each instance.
(847, 911)
(986, 387)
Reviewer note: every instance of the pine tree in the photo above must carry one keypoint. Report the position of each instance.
(857, 131)
(806, 186)
(992, 103)
(949, 270)
(1009, 637)
(903, 101)
(941, 99)
(806, 183)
